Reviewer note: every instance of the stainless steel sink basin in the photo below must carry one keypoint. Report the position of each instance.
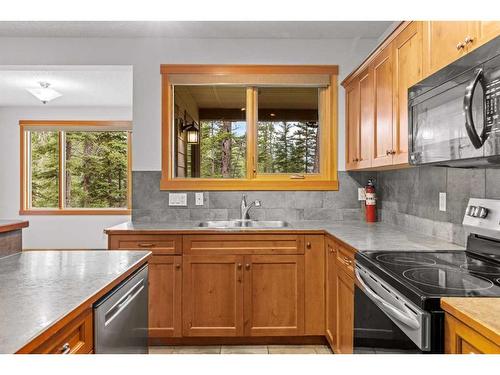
(243, 224)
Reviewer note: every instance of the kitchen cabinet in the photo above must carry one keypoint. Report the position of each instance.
(314, 259)
(407, 68)
(212, 295)
(352, 108)
(345, 312)
(274, 295)
(462, 339)
(165, 287)
(484, 31)
(331, 292)
(383, 100)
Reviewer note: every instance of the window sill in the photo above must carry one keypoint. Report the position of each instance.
(244, 184)
(75, 212)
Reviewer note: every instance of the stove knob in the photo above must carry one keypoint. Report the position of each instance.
(470, 210)
(482, 212)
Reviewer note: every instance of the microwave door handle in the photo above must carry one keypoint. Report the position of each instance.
(391, 310)
(477, 142)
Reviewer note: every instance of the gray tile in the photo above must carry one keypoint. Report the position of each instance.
(254, 213)
(304, 199)
(141, 215)
(287, 214)
(431, 181)
(351, 214)
(170, 214)
(346, 196)
(268, 199)
(322, 214)
(493, 183)
(208, 214)
(291, 349)
(244, 349)
(461, 185)
(161, 349)
(197, 349)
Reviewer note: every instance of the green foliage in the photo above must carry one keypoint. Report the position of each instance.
(96, 169)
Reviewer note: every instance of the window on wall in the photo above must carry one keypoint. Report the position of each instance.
(75, 167)
(249, 127)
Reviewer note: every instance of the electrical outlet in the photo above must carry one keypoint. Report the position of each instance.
(198, 199)
(177, 199)
(361, 194)
(442, 201)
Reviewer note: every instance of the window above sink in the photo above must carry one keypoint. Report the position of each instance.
(238, 127)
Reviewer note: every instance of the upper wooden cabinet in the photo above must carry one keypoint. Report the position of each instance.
(377, 92)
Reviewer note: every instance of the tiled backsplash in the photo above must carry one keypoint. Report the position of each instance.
(151, 205)
(410, 197)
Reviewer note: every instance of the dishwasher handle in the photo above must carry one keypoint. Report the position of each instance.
(123, 302)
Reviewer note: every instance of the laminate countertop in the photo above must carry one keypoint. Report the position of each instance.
(39, 288)
(481, 314)
(10, 225)
(360, 235)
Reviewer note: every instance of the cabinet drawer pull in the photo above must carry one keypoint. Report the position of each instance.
(347, 261)
(145, 244)
(247, 266)
(308, 245)
(239, 266)
(178, 266)
(65, 349)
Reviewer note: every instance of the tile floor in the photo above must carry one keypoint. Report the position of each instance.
(242, 349)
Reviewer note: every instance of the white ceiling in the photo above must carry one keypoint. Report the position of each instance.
(198, 29)
(79, 85)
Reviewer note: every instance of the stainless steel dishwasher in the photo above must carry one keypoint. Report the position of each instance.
(121, 317)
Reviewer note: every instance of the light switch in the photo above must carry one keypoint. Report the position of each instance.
(177, 199)
(361, 194)
(442, 201)
(198, 199)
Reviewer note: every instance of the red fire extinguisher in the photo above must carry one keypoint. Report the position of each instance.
(370, 202)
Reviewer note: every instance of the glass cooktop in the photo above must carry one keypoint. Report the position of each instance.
(428, 275)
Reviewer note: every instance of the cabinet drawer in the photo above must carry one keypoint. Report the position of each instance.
(157, 243)
(462, 339)
(345, 259)
(244, 244)
(74, 338)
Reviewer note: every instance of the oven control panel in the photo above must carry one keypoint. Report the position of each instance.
(482, 216)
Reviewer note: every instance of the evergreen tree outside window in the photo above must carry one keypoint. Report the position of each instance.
(75, 167)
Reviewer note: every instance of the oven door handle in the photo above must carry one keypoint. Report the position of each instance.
(477, 141)
(391, 310)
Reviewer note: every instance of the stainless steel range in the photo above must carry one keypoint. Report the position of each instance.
(397, 295)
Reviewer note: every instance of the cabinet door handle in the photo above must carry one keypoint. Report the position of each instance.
(468, 39)
(65, 349)
(239, 266)
(308, 245)
(347, 261)
(145, 244)
(247, 266)
(178, 266)
(460, 46)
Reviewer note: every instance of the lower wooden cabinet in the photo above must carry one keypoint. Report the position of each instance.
(462, 339)
(165, 286)
(331, 292)
(274, 295)
(212, 295)
(345, 312)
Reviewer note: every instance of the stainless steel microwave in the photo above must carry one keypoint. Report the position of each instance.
(454, 114)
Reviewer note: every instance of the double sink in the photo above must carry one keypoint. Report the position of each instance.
(226, 224)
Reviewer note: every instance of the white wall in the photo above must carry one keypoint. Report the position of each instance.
(146, 55)
(47, 232)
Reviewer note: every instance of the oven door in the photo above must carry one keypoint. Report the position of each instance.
(384, 321)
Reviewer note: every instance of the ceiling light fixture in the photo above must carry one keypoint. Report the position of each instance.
(45, 94)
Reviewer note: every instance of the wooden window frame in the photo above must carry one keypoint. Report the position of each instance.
(327, 179)
(25, 208)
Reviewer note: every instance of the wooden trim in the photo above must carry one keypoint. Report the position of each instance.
(61, 210)
(51, 331)
(69, 211)
(248, 69)
(241, 340)
(325, 180)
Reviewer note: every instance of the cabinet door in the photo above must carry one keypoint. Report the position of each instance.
(274, 295)
(483, 32)
(314, 285)
(352, 124)
(383, 90)
(331, 294)
(366, 117)
(212, 295)
(165, 285)
(407, 62)
(345, 313)
(444, 42)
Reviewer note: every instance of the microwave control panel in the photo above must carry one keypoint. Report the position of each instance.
(492, 102)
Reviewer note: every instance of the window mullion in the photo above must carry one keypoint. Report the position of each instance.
(62, 166)
(251, 118)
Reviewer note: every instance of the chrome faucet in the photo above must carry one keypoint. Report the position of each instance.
(244, 208)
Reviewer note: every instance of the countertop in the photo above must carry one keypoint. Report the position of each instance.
(357, 234)
(482, 314)
(10, 225)
(39, 288)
